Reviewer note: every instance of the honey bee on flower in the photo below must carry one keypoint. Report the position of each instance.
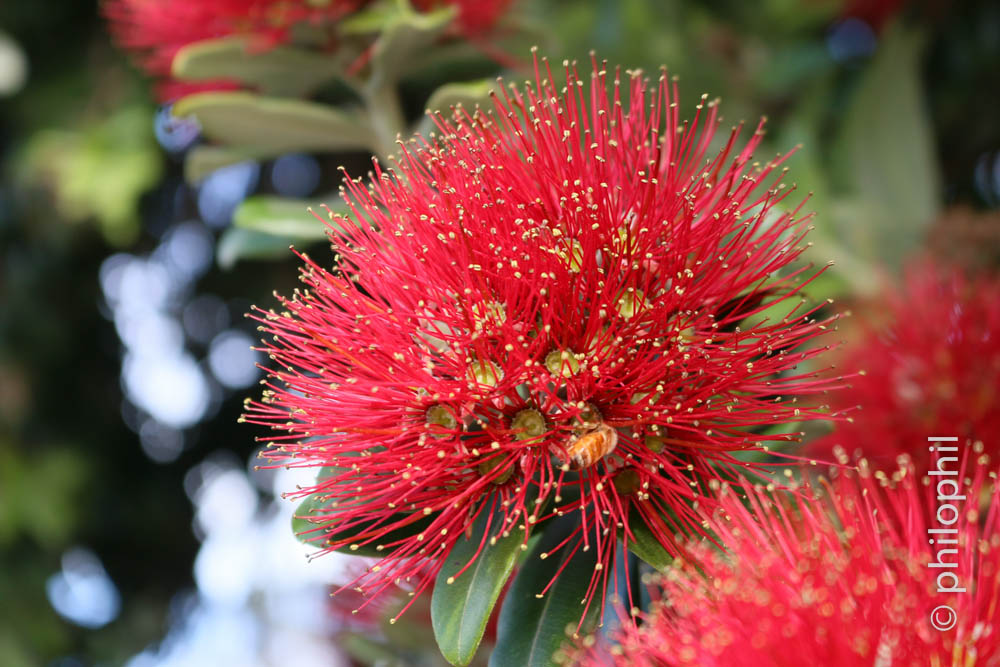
(592, 446)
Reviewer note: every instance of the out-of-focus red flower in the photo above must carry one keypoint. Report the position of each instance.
(844, 578)
(559, 300)
(930, 353)
(875, 13)
(155, 30)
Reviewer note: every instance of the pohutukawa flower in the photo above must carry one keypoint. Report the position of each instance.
(930, 355)
(847, 577)
(557, 301)
(157, 29)
(876, 13)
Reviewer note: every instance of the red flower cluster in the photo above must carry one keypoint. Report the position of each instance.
(158, 29)
(558, 301)
(848, 578)
(930, 356)
(876, 13)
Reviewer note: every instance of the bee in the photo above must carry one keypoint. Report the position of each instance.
(587, 449)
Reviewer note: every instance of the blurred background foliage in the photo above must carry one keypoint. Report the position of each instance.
(127, 261)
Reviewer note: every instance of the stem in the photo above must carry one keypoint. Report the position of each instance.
(386, 115)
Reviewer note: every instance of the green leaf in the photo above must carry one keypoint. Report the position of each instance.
(307, 525)
(405, 35)
(372, 18)
(643, 542)
(532, 629)
(279, 71)
(283, 216)
(236, 244)
(269, 126)
(306, 528)
(462, 604)
(466, 93)
(886, 158)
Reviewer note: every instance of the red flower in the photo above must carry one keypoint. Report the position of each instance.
(930, 353)
(846, 578)
(157, 29)
(875, 13)
(560, 300)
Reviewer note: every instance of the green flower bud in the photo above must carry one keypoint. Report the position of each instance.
(528, 424)
(562, 362)
(654, 443)
(488, 466)
(485, 372)
(626, 482)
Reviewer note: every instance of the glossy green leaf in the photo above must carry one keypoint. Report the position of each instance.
(306, 528)
(373, 17)
(236, 244)
(886, 157)
(462, 603)
(531, 629)
(308, 519)
(279, 71)
(466, 93)
(643, 543)
(405, 35)
(283, 216)
(273, 125)
(514, 34)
